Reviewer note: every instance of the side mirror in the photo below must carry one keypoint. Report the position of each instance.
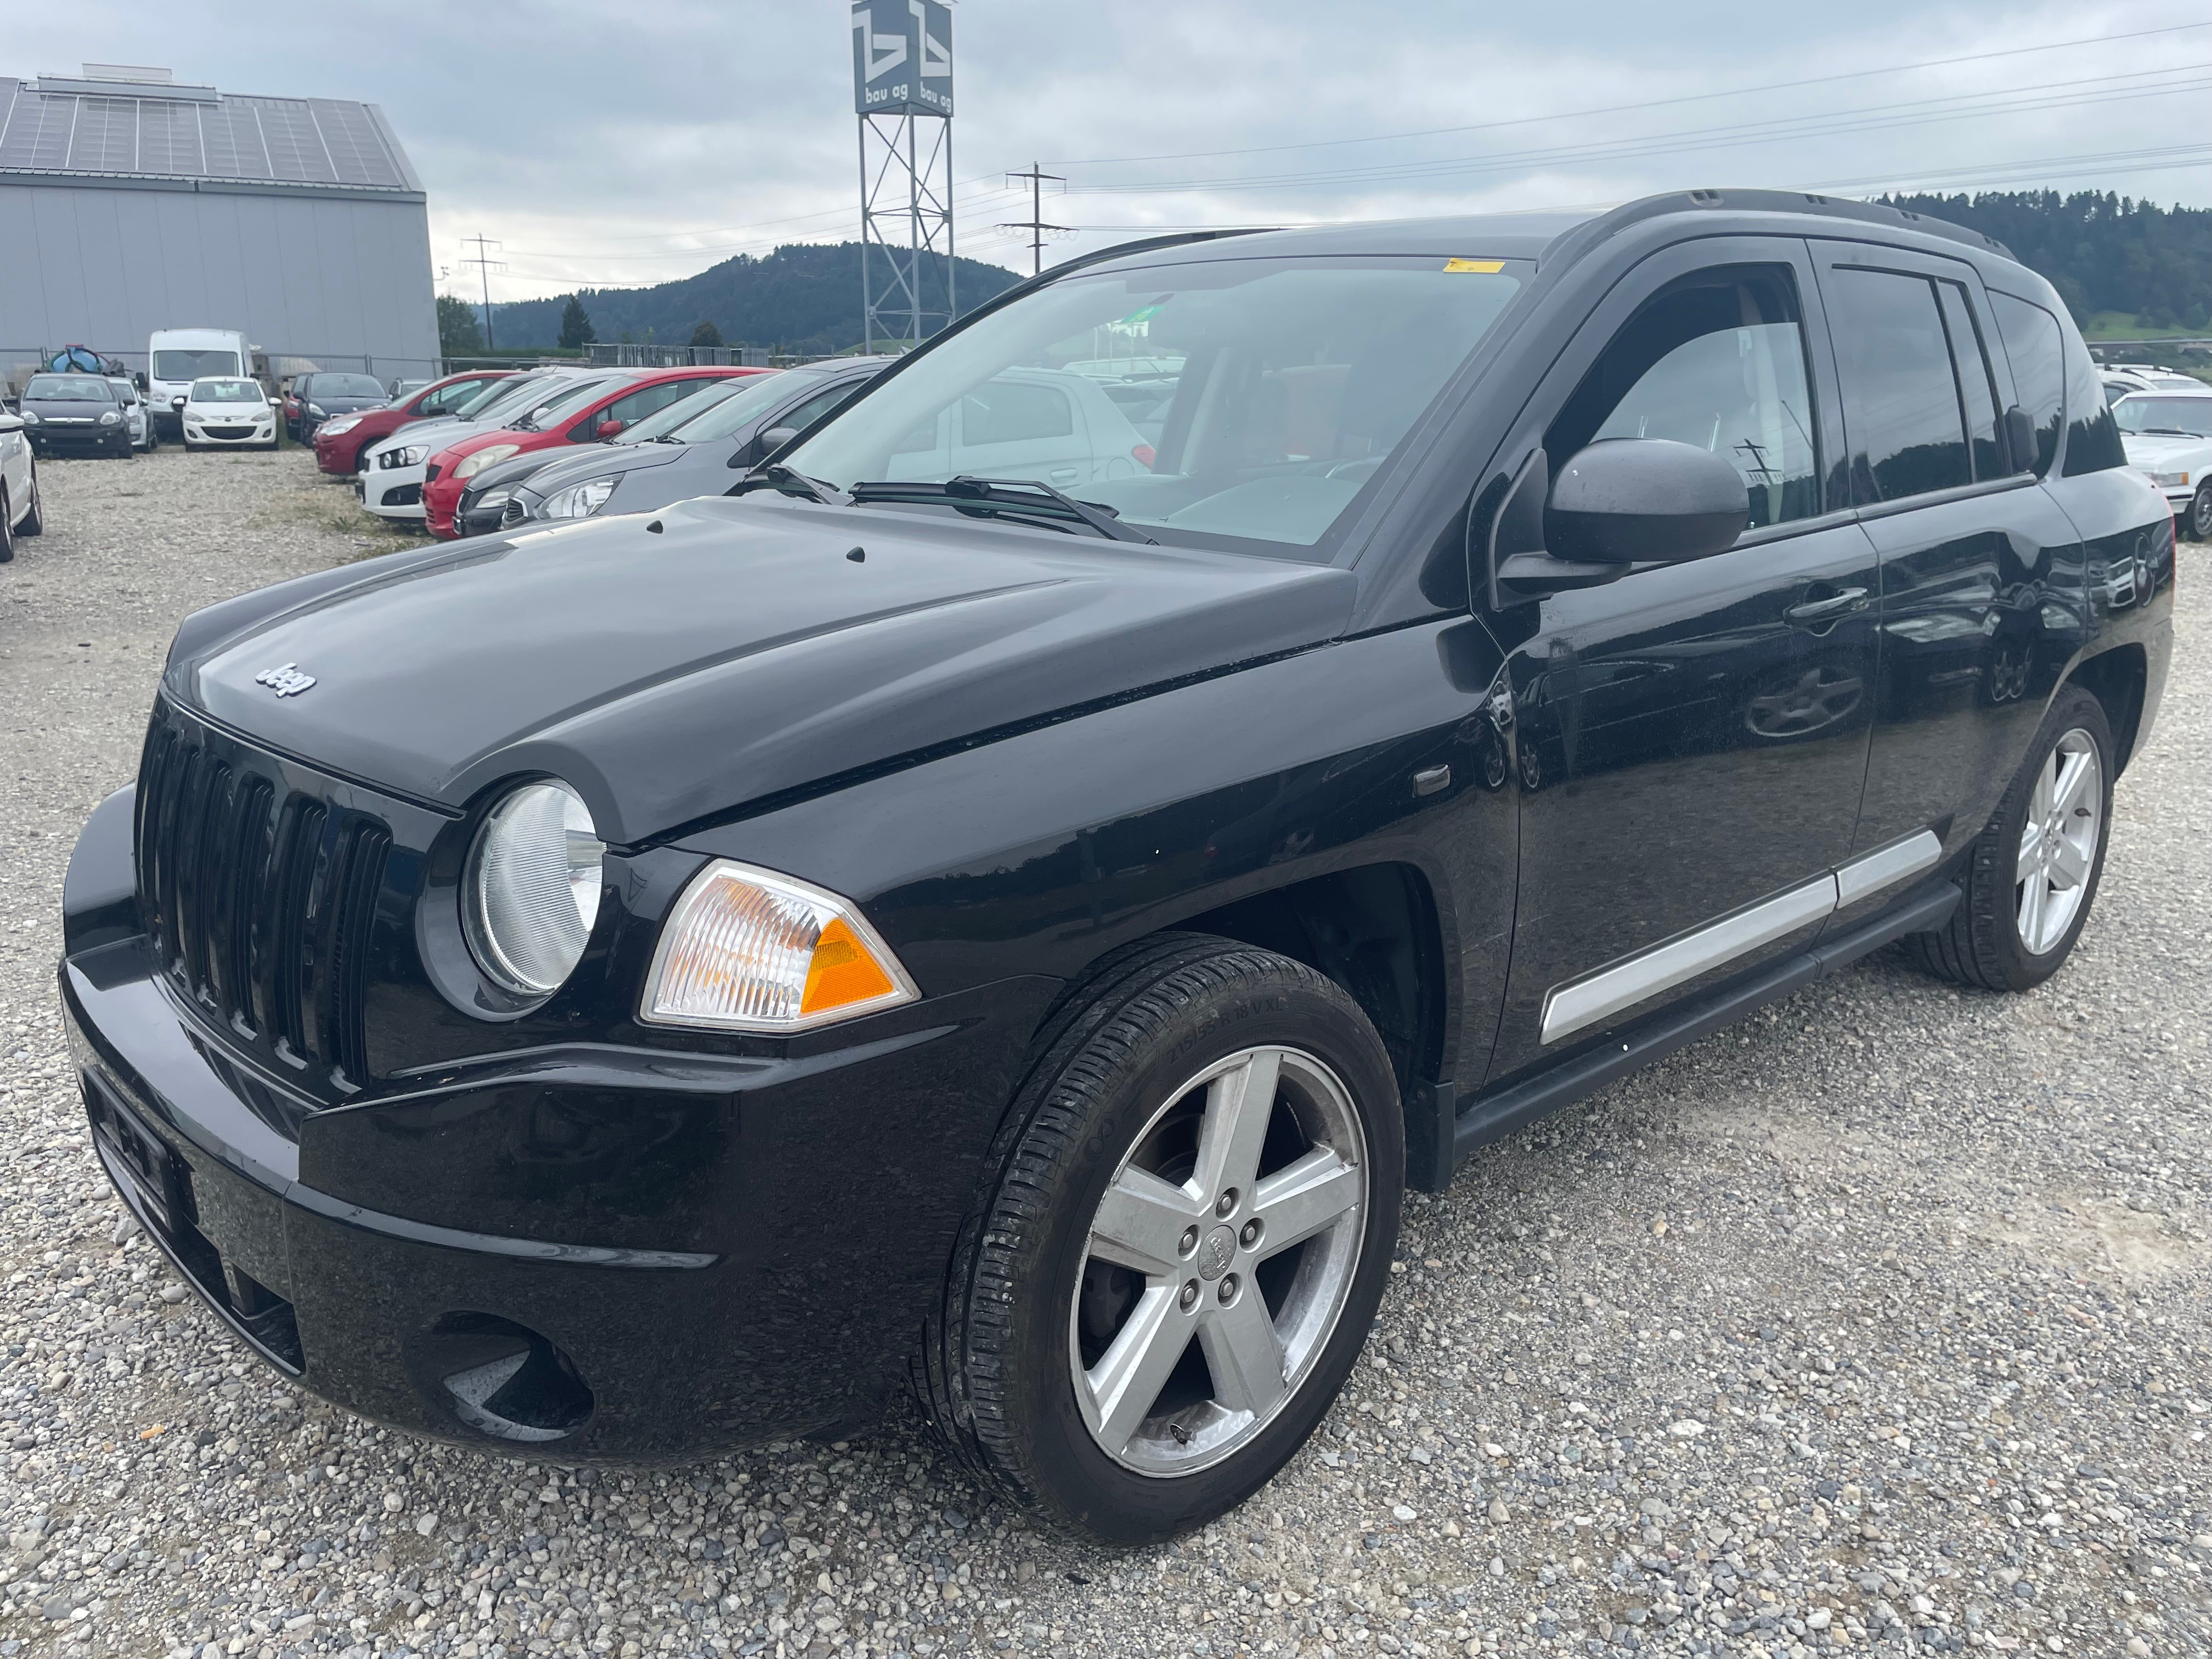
(11, 422)
(2020, 438)
(177, 402)
(609, 429)
(1633, 500)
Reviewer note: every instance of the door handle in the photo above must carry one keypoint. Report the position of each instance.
(1060, 475)
(1841, 602)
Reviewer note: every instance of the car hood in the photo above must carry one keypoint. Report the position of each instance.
(48, 408)
(2158, 450)
(601, 461)
(344, 405)
(679, 666)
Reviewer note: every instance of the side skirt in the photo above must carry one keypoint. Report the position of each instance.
(1493, 1116)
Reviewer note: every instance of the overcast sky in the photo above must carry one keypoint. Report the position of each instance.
(607, 145)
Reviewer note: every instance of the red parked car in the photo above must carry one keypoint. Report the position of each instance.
(339, 443)
(586, 416)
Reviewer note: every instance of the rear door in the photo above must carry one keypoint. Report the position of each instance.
(1980, 578)
(1023, 424)
(1690, 740)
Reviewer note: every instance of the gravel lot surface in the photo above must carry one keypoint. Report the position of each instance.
(1880, 1323)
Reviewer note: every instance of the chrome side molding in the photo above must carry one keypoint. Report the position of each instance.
(1595, 998)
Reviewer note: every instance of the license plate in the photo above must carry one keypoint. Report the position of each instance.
(139, 1159)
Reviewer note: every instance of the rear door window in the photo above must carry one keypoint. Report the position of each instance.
(1902, 412)
(2036, 351)
(1977, 387)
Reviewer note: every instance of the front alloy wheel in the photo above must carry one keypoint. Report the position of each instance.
(1183, 1245)
(1193, 1248)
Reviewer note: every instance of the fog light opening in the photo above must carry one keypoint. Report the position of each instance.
(506, 1380)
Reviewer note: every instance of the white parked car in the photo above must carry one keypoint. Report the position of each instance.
(2168, 438)
(390, 481)
(136, 415)
(19, 485)
(223, 411)
(175, 357)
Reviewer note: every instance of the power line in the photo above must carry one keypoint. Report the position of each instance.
(485, 265)
(1896, 115)
(1656, 103)
(1034, 223)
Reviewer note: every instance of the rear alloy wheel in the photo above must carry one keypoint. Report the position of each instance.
(1196, 1200)
(2032, 874)
(2199, 516)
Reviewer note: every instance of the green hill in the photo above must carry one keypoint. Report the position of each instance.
(805, 298)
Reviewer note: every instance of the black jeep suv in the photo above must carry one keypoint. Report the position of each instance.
(1008, 902)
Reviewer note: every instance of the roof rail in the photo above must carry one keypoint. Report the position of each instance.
(1597, 230)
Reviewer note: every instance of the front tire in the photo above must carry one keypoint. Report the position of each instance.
(7, 527)
(33, 523)
(1189, 1228)
(2032, 874)
(2197, 520)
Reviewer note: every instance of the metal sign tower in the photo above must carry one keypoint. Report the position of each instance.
(903, 92)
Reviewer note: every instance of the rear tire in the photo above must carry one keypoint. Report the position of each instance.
(2030, 876)
(1117, 1368)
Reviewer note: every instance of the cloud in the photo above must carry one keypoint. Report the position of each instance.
(611, 145)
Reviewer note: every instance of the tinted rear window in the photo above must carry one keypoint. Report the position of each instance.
(2092, 437)
(2036, 352)
(1900, 398)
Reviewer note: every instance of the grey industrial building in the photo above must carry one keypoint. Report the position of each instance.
(129, 203)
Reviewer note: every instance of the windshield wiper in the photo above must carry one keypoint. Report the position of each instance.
(2168, 432)
(790, 482)
(1010, 497)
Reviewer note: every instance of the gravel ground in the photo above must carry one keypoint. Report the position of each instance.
(1879, 1322)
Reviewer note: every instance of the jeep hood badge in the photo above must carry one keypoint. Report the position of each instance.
(285, 682)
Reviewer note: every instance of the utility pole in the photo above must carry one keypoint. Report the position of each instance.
(1034, 223)
(486, 265)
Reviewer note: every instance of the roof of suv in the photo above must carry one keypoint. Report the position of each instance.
(1542, 236)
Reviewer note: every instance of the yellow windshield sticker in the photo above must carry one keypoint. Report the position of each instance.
(1481, 267)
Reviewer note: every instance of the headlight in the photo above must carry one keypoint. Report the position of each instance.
(110, 417)
(747, 950)
(2170, 480)
(413, 455)
(30, 417)
(493, 498)
(315, 409)
(472, 464)
(580, 501)
(342, 424)
(533, 888)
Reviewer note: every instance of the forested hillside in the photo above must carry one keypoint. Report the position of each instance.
(2102, 253)
(805, 298)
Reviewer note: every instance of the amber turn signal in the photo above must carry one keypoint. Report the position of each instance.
(751, 949)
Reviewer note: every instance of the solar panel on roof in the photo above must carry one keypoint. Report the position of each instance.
(312, 141)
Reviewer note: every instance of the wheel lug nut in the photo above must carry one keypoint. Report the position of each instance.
(1189, 1239)
(1228, 1291)
(1225, 1203)
(1250, 1235)
(1190, 1294)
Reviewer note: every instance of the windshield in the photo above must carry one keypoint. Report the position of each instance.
(69, 389)
(227, 391)
(2193, 416)
(510, 397)
(345, 386)
(564, 401)
(755, 399)
(181, 365)
(1262, 395)
(662, 422)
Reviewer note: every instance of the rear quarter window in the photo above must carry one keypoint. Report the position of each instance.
(2036, 351)
(2093, 436)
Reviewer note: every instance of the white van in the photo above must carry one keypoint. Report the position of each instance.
(175, 357)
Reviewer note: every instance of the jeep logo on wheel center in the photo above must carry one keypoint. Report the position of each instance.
(1215, 1254)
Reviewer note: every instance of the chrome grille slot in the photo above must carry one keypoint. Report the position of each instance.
(292, 958)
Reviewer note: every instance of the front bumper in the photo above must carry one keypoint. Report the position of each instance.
(651, 1252)
(236, 434)
(49, 439)
(391, 492)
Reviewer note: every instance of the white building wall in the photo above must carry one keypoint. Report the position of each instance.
(344, 280)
